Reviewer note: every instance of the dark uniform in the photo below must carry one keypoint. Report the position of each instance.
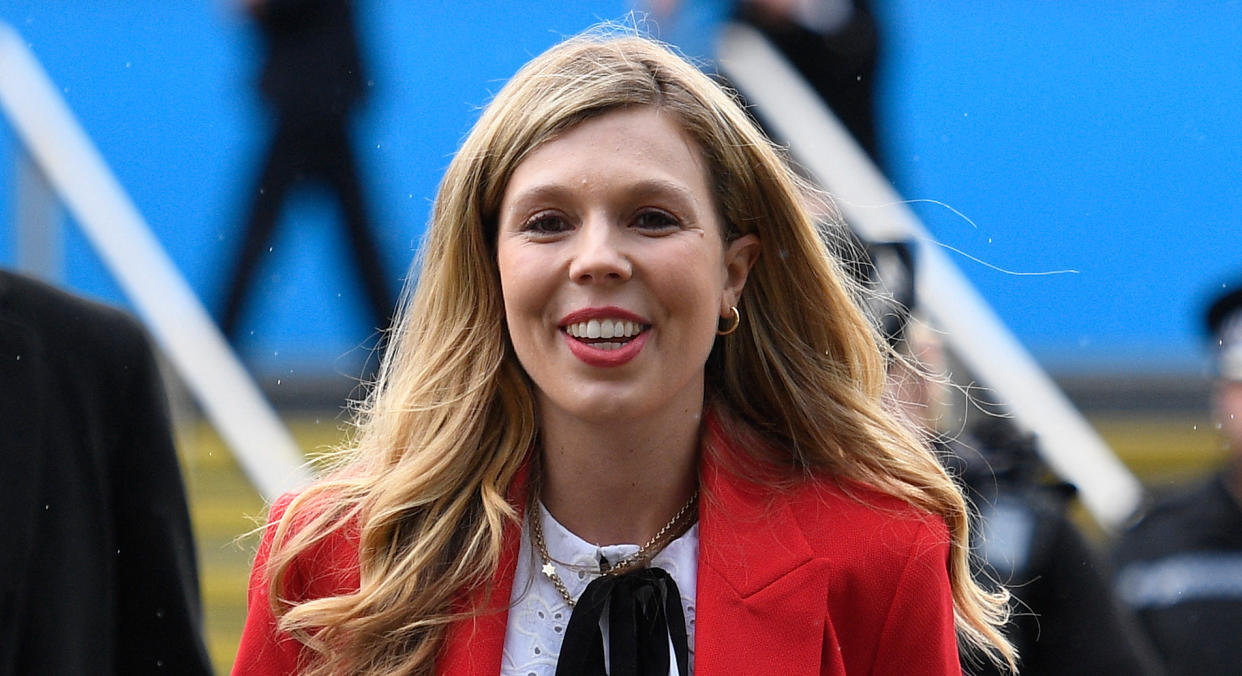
(1180, 568)
(1066, 620)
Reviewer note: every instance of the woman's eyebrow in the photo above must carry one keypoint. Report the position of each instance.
(643, 188)
(662, 187)
(537, 193)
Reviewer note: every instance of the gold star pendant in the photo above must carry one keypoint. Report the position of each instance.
(549, 570)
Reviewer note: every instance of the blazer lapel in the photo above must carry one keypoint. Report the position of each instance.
(761, 600)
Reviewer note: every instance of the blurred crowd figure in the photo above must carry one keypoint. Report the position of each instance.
(1180, 565)
(99, 570)
(833, 44)
(312, 77)
(1066, 620)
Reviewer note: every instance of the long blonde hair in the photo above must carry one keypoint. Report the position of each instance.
(450, 421)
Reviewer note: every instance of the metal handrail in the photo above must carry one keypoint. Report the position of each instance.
(822, 145)
(162, 298)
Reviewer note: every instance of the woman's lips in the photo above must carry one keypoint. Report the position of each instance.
(610, 356)
(605, 336)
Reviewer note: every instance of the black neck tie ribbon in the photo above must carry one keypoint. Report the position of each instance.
(644, 612)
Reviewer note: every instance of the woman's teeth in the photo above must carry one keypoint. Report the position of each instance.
(604, 328)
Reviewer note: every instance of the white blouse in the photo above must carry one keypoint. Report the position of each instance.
(538, 614)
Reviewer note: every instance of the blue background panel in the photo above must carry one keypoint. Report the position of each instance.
(1098, 139)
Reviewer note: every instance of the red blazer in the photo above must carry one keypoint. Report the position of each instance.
(808, 580)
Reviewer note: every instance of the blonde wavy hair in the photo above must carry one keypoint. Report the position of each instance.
(451, 421)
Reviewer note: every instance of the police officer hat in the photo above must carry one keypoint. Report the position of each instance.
(1224, 325)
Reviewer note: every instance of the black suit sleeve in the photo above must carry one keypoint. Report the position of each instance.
(159, 617)
(1078, 624)
(98, 556)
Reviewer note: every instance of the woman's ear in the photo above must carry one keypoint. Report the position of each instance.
(739, 256)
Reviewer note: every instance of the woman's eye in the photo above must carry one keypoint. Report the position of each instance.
(545, 224)
(655, 220)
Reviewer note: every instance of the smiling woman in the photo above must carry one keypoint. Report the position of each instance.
(614, 223)
(631, 422)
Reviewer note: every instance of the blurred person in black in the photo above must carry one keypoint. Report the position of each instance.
(312, 78)
(834, 44)
(99, 572)
(1066, 619)
(1180, 565)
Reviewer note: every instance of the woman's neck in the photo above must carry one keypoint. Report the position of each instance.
(616, 483)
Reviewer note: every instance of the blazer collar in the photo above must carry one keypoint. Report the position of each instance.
(752, 534)
(761, 593)
(761, 599)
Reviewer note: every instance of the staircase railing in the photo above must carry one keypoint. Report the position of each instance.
(177, 320)
(976, 336)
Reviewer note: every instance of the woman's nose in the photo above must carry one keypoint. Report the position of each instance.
(599, 255)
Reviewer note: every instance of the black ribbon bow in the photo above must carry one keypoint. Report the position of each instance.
(644, 611)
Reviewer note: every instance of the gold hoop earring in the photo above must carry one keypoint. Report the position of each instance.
(737, 321)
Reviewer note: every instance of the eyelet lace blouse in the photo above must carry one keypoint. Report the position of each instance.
(538, 614)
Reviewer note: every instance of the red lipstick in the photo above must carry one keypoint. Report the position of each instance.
(592, 355)
(610, 311)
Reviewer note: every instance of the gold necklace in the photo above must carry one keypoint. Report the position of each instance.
(675, 528)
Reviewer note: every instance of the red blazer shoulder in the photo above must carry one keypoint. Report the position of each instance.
(821, 577)
(818, 578)
(330, 568)
(890, 604)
